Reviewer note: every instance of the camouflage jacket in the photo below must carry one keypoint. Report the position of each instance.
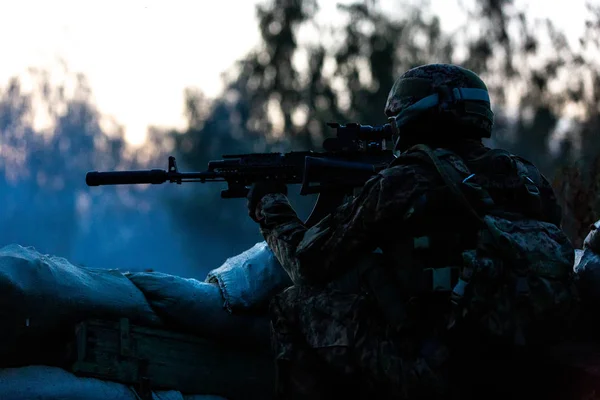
(318, 254)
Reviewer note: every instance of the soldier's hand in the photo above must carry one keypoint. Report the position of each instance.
(260, 190)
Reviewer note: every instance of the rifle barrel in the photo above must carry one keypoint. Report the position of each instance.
(151, 176)
(154, 176)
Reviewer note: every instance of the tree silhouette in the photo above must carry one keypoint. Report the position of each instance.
(44, 201)
(279, 97)
(282, 94)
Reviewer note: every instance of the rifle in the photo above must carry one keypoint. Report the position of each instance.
(350, 159)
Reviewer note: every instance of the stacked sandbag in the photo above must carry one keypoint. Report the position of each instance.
(42, 297)
(587, 269)
(249, 280)
(51, 383)
(587, 281)
(230, 307)
(197, 307)
(230, 304)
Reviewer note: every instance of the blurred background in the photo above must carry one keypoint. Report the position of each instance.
(115, 85)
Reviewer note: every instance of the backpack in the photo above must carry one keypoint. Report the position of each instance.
(515, 284)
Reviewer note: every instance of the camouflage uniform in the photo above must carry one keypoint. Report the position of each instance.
(316, 324)
(333, 342)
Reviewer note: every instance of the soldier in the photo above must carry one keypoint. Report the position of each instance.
(451, 241)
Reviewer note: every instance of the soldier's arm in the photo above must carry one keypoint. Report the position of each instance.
(317, 254)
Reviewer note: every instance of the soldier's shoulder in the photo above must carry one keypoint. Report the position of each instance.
(419, 163)
(527, 168)
(409, 168)
(520, 161)
(524, 164)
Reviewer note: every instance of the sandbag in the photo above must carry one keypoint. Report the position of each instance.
(250, 279)
(198, 307)
(47, 289)
(587, 269)
(587, 277)
(51, 383)
(42, 296)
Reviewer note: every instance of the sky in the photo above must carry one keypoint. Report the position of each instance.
(140, 55)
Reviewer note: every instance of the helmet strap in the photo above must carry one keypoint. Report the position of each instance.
(446, 100)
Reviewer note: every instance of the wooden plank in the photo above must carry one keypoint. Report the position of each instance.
(131, 354)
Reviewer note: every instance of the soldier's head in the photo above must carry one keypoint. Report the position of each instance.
(439, 104)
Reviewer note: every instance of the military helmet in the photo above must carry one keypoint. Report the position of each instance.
(440, 90)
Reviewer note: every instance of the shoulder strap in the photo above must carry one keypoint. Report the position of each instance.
(491, 153)
(453, 180)
(450, 176)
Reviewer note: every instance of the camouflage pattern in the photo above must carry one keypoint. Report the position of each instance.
(330, 344)
(317, 255)
(326, 340)
(513, 305)
(425, 80)
(318, 328)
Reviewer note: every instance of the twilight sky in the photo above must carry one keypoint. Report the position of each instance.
(139, 55)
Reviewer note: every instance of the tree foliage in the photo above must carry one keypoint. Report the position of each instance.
(306, 71)
(44, 201)
(281, 95)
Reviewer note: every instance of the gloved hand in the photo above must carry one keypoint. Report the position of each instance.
(260, 190)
